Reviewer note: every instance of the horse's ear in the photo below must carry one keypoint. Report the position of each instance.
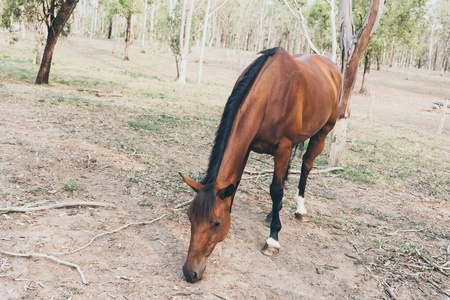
(226, 192)
(192, 183)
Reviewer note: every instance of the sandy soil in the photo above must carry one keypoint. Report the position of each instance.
(339, 254)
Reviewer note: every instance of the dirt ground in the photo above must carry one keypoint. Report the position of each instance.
(366, 238)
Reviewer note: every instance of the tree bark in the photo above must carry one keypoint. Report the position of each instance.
(187, 36)
(351, 52)
(333, 31)
(144, 23)
(391, 58)
(55, 25)
(110, 28)
(367, 63)
(127, 37)
(202, 52)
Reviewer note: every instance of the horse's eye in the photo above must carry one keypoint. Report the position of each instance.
(216, 224)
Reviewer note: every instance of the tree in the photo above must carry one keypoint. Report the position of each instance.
(204, 31)
(56, 14)
(185, 37)
(352, 48)
(127, 9)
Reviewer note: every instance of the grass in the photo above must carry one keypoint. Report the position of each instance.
(72, 185)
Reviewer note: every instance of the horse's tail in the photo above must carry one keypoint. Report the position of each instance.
(234, 101)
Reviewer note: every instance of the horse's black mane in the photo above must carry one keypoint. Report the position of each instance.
(203, 204)
(229, 114)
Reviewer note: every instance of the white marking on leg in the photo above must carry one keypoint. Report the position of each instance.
(300, 205)
(272, 242)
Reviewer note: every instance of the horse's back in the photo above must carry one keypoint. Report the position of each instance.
(302, 96)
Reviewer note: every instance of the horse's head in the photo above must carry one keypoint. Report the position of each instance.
(209, 213)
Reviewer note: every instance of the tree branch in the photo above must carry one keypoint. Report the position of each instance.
(301, 19)
(111, 232)
(59, 205)
(293, 171)
(52, 258)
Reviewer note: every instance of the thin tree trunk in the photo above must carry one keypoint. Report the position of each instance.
(127, 37)
(144, 23)
(187, 37)
(110, 28)
(410, 64)
(202, 52)
(430, 48)
(391, 58)
(54, 31)
(378, 63)
(152, 23)
(333, 31)
(365, 80)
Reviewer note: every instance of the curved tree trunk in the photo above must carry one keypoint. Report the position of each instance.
(352, 48)
(55, 26)
(367, 63)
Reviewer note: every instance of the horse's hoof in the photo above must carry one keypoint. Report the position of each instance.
(301, 217)
(270, 250)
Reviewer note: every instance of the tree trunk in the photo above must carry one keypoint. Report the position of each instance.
(54, 30)
(410, 64)
(144, 24)
(127, 37)
(202, 52)
(430, 48)
(351, 54)
(333, 31)
(391, 58)
(367, 63)
(378, 64)
(152, 23)
(110, 28)
(185, 49)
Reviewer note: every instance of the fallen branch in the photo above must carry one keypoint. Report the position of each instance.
(98, 91)
(107, 94)
(111, 232)
(182, 204)
(389, 291)
(294, 171)
(432, 264)
(60, 261)
(54, 206)
(404, 230)
(438, 288)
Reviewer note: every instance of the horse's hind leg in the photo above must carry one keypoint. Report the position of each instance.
(272, 246)
(315, 147)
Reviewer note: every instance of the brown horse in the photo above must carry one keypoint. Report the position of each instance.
(279, 101)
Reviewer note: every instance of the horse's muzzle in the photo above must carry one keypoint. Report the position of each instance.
(193, 272)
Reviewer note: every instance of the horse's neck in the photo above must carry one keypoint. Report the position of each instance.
(245, 128)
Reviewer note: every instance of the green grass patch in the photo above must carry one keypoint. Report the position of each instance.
(144, 125)
(72, 185)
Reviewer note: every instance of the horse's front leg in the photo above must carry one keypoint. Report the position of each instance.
(272, 246)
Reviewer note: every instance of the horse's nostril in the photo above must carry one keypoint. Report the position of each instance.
(194, 276)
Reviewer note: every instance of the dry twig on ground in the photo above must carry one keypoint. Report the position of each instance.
(60, 261)
(389, 291)
(54, 206)
(263, 172)
(435, 266)
(111, 232)
(405, 230)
